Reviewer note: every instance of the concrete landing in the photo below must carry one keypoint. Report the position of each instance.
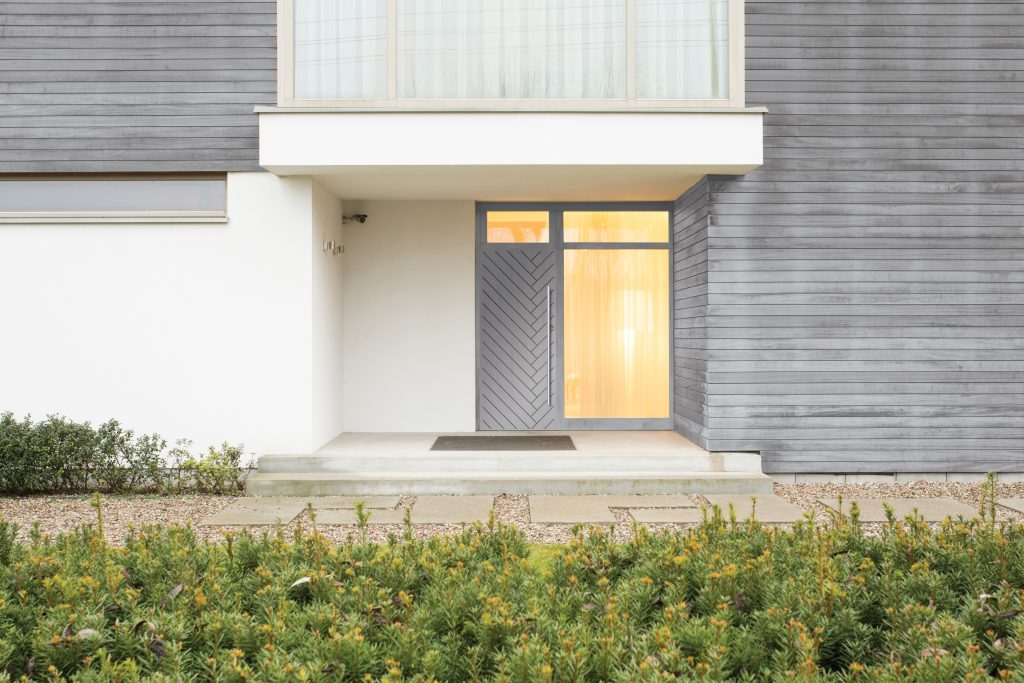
(604, 462)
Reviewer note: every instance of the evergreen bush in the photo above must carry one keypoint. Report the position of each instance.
(723, 601)
(58, 455)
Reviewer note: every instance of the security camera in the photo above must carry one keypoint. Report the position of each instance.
(355, 218)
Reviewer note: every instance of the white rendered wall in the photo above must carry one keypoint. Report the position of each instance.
(203, 331)
(409, 349)
(328, 319)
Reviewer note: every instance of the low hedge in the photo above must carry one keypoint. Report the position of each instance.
(58, 455)
(726, 600)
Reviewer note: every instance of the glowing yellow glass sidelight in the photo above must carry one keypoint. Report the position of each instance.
(616, 226)
(616, 333)
(517, 227)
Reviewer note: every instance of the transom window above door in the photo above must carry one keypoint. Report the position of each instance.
(540, 53)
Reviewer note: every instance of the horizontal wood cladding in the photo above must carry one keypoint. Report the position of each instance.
(690, 285)
(134, 86)
(863, 308)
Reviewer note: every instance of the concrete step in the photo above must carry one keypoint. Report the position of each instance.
(394, 482)
(441, 463)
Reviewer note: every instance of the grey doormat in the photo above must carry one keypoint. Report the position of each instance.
(525, 442)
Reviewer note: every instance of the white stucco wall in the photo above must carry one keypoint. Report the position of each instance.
(202, 331)
(409, 349)
(328, 319)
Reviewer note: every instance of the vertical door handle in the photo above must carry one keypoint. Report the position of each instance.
(549, 346)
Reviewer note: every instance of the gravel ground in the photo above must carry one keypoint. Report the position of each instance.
(55, 514)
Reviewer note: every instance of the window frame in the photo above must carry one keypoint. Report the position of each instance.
(286, 85)
(139, 216)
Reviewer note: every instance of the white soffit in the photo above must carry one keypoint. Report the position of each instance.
(510, 155)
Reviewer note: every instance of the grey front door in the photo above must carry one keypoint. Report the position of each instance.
(515, 306)
(574, 316)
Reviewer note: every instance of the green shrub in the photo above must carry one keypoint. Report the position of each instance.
(724, 601)
(63, 454)
(16, 471)
(219, 471)
(59, 455)
(127, 462)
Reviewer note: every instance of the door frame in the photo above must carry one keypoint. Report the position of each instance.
(557, 244)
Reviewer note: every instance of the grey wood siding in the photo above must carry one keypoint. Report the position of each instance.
(133, 86)
(866, 286)
(690, 302)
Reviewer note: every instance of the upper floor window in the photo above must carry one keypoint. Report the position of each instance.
(394, 52)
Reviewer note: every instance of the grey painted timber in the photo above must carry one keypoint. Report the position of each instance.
(129, 86)
(690, 283)
(857, 304)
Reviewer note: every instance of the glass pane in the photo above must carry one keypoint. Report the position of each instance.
(616, 226)
(341, 49)
(81, 196)
(501, 49)
(682, 49)
(517, 226)
(616, 333)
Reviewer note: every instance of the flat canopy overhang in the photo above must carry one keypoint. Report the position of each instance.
(510, 155)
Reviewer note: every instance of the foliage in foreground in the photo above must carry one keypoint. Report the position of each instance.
(58, 455)
(724, 600)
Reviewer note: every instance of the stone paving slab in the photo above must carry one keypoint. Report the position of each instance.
(667, 515)
(1015, 504)
(931, 509)
(426, 510)
(451, 509)
(347, 516)
(257, 511)
(595, 509)
(349, 502)
(768, 508)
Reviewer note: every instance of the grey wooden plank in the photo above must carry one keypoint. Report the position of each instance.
(758, 41)
(878, 11)
(870, 408)
(167, 18)
(133, 8)
(857, 427)
(811, 358)
(988, 314)
(823, 290)
(849, 344)
(154, 102)
(20, 39)
(884, 301)
(42, 55)
(726, 394)
(722, 374)
(892, 401)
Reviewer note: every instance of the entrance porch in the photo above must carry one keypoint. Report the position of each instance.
(426, 324)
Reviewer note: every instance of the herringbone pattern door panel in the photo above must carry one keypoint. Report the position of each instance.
(515, 367)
